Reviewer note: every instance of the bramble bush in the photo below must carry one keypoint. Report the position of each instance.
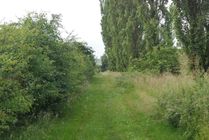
(38, 68)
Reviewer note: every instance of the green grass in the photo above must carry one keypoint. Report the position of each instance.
(112, 108)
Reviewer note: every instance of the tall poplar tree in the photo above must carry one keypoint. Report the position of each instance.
(156, 21)
(192, 29)
(132, 28)
(121, 32)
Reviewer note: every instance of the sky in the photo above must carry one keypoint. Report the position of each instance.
(82, 17)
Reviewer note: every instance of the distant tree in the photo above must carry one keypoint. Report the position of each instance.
(104, 65)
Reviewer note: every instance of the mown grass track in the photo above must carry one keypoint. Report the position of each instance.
(112, 108)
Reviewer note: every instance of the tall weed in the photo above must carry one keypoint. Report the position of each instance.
(187, 108)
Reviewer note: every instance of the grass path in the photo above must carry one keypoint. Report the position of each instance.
(110, 109)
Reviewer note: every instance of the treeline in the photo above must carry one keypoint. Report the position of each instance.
(38, 68)
(141, 35)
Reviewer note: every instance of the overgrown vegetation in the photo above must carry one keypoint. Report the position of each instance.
(114, 106)
(38, 68)
(187, 108)
(160, 60)
(144, 36)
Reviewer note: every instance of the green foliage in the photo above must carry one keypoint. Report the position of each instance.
(38, 69)
(192, 30)
(104, 60)
(110, 101)
(120, 32)
(159, 60)
(187, 108)
(131, 29)
(14, 101)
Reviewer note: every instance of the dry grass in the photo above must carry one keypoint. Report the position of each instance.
(154, 85)
(111, 74)
(149, 87)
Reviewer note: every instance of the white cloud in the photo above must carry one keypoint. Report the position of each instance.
(80, 16)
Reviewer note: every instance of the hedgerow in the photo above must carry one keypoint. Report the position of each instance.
(38, 68)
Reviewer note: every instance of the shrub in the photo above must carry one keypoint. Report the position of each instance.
(159, 60)
(13, 101)
(188, 109)
(38, 69)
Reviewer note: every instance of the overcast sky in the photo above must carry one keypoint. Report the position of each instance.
(80, 16)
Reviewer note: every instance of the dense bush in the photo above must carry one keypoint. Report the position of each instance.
(159, 60)
(188, 109)
(38, 69)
